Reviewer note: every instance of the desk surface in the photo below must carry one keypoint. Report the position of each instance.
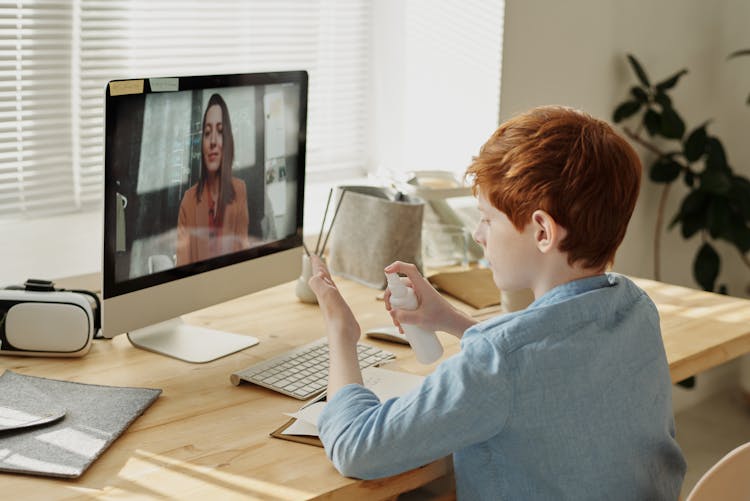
(206, 438)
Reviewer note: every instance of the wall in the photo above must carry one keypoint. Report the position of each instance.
(51, 248)
(573, 53)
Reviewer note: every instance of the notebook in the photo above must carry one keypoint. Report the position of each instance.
(385, 383)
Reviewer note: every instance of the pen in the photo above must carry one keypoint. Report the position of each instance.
(323, 223)
(333, 220)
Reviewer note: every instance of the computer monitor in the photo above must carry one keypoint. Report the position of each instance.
(204, 182)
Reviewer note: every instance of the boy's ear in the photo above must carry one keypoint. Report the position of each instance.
(547, 233)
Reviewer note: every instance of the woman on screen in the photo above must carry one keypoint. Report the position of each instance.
(213, 217)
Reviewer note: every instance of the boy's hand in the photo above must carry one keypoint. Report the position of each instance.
(342, 326)
(433, 313)
(343, 329)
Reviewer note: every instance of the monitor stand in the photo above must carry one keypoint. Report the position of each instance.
(189, 343)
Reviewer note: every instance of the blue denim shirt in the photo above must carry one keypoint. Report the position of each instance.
(568, 399)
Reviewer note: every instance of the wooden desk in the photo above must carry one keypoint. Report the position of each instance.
(204, 438)
(700, 329)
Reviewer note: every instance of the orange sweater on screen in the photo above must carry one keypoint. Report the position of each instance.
(197, 240)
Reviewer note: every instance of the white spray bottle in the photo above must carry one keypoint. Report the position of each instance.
(425, 343)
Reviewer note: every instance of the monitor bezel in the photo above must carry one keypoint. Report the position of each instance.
(112, 288)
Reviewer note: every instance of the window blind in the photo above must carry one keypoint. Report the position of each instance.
(56, 57)
(35, 106)
(456, 52)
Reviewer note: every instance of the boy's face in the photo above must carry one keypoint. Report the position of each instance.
(512, 255)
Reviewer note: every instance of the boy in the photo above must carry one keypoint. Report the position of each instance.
(567, 399)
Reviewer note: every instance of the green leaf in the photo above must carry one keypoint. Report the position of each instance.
(692, 224)
(692, 213)
(715, 181)
(663, 100)
(717, 158)
(672, 126)
(706, 267)
(740, 237)
(739, 193)
(676, 219)
(671, 81)
(638, 69)
(664, 170)
(689, 178)
(695, 145)
(652, 121)
(737, 53)
(625, 110)
(639, 94)
(718, 217)
(695, 202)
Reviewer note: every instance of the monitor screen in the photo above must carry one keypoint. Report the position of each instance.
(202, 174)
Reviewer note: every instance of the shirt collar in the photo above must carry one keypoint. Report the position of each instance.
(574, 288)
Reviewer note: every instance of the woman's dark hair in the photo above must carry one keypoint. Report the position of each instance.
(226, 190)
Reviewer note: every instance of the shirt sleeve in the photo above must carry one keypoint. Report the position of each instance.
(465, 401)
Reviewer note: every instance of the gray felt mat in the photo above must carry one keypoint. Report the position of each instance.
(94, 417)
(23, 406)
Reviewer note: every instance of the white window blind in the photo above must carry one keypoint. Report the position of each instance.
(440, 92)
(35, 106)
(456, 46)
(56, 57)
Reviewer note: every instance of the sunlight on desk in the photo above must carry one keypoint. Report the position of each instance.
(74, 441)
(174, 478)
(700, 329)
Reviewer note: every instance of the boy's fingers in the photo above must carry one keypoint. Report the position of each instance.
(403, 317)
(315, 282)
(395, 321)
(408, 269)
(317, 263)
(319, 282)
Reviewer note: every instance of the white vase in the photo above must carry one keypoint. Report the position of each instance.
(302, 289)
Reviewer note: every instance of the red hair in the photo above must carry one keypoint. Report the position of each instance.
(569, 164)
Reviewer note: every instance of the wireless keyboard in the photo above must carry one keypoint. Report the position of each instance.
(302, 373)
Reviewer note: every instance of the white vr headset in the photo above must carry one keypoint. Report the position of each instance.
(37, 319)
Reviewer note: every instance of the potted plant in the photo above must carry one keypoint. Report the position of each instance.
(716, 205)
